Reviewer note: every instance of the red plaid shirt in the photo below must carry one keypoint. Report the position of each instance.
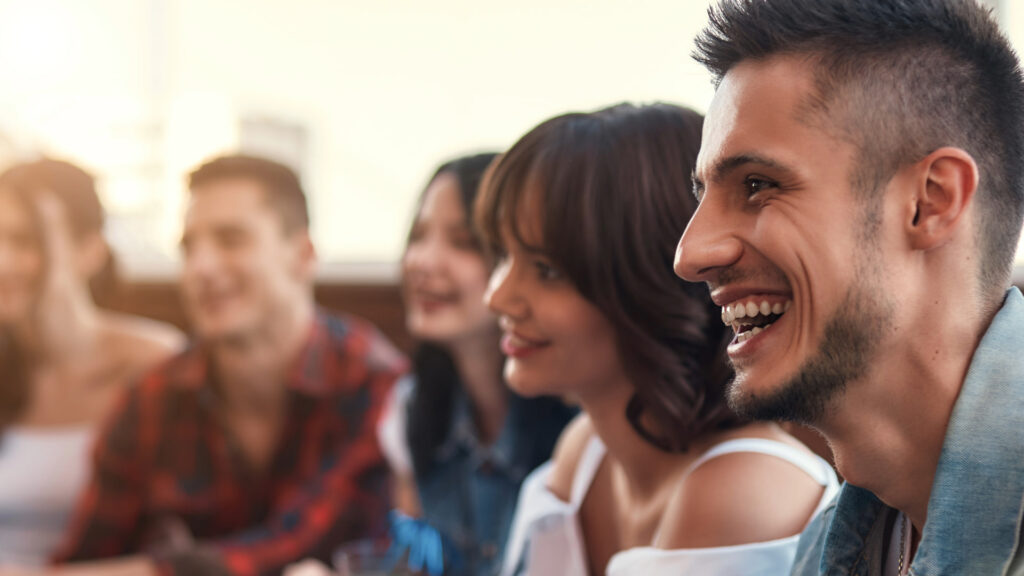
(165, 456)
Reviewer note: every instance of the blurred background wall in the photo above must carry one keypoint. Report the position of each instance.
(364, 98)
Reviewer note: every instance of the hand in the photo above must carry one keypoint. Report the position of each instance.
(167, 534)
(64, 303)
(305, 568)
(20, 571)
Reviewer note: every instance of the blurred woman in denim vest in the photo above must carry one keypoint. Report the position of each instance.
(459, 442)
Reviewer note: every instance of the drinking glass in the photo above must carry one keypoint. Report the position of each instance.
(371, 558)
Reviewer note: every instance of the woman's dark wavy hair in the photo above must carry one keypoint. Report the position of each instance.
(616, 196)
(437, 379)
(76, 190)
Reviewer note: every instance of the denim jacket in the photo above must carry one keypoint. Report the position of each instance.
(975, 509)
(470, 491)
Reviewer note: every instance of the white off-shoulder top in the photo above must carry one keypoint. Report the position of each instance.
(547, 540)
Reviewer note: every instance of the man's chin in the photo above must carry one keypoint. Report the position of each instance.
(219, 332)
(787, 401)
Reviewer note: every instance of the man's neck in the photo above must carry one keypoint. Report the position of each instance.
(887, 430)
(251, 372)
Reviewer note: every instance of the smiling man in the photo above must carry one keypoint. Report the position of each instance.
(861, 186)
(255, 447)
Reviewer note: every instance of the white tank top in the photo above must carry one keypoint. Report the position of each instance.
(547, 539)
(42, 473)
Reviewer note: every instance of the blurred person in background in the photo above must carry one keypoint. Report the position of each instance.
(64, 360)
(459, 441)
(257, 445)
(658, 475)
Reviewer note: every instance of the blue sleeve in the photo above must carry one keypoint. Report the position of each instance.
(811, 547)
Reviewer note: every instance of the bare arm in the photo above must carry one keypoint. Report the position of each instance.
(127, 566)
(738, 499)
(405, 496)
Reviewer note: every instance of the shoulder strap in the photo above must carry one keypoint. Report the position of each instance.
(586, 469)
(811, 464)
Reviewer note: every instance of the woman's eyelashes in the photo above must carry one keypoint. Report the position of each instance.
(546, 271)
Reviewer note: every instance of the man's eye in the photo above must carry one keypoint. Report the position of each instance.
(754, 185)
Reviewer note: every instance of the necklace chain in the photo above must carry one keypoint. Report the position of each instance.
(903, 543)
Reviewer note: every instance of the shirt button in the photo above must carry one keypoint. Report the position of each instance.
(488, 550)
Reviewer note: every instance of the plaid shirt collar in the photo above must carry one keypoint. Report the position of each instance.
(305, 375)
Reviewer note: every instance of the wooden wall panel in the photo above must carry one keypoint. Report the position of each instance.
(381, 304)
(378, 303)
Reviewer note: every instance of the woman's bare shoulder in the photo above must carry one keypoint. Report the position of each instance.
(567, 455)
(741, 498)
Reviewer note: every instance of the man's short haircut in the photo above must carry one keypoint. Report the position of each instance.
(899, 80)
(280, 184)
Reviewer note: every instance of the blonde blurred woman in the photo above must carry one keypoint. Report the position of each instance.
(63, 360)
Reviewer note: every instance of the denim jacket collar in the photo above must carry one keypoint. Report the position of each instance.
(501, 454)
(979, 484)
(974, 512)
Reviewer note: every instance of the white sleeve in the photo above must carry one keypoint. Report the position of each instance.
(392, 425)
(545, 538)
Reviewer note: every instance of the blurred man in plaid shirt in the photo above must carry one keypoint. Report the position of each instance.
(256, 446)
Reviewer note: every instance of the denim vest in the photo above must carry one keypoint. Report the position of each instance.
(975, 509)
(470, 491)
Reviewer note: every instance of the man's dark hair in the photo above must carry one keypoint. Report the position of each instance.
(899, 79)
(613, 188)
(280, 184)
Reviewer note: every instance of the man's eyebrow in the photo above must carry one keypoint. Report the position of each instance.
(723, 167)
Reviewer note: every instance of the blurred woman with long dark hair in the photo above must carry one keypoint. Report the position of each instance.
(459, 442)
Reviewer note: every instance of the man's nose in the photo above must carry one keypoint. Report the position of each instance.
(708, 245)
(199, 259)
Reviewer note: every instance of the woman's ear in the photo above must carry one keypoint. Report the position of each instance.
(944, 191)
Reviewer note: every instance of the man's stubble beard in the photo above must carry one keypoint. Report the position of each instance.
(849, 345)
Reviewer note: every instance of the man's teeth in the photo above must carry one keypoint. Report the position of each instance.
(733, 312)
(744, 336)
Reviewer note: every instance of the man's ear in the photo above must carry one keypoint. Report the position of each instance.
(305, 254)
(948, 179)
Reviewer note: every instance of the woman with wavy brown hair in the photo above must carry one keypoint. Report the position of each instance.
(64, 360)
(657, 475)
